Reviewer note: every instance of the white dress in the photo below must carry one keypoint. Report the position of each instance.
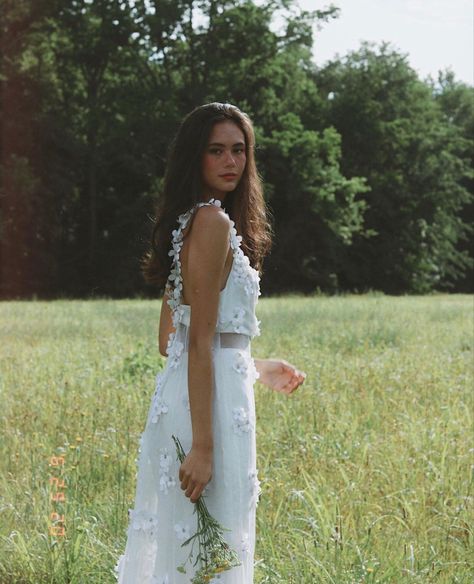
(163, 517)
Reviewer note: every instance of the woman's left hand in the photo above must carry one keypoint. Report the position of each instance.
(279, 375)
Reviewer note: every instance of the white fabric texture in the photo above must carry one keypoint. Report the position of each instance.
(162, 516)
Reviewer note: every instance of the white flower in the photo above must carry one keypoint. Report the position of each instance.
(256, 374)
(244, 542)
(165, 459)
(144, 521)
(255, 489)
(237, 318)
(257, 328)
(172, 304)
(177, 292)
(177, 314)
(174, 251)
(119, 566)
(166, 481)
(169, 345)
(182, 220)
(240, 363)
(241, 422)
(182, 531)
(159, 379)
(243, 273)
(159, 407)
(295, 494)
(174, 350)
(174, 275)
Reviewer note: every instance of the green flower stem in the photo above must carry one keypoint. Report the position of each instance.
(214, 553)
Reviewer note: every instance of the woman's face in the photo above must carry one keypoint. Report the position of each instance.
(224, 159)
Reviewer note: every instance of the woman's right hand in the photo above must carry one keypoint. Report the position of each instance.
(195, 472)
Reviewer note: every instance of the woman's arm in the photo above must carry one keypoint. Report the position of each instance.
(205, 264)
(279, 375)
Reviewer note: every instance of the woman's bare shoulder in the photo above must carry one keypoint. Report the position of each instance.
(210, 222)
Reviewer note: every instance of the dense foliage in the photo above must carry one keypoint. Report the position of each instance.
(367, 169)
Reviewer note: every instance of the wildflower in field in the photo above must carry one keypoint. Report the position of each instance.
(295, 494)
(214, 554)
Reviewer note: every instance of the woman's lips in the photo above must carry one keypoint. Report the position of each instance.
(229, 176)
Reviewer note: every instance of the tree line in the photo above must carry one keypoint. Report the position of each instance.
(367, 169)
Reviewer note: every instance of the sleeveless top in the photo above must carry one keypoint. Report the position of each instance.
(238, 299)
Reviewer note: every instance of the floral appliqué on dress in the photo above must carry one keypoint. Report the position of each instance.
(144, 521)
(182, 531)
(255, 488)
(174, 350)
(166, 480)
(241, 421)
(244, 543)
(245, 365)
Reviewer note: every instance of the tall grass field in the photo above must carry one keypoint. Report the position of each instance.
(366, 469)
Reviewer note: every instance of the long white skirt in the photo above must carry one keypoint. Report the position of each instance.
(163, 517)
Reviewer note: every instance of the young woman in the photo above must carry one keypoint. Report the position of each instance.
(208, 243)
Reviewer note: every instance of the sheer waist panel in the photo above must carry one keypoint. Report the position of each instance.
(221, 340)
(226, 341)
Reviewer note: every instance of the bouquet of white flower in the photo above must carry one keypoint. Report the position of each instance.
(214, 553)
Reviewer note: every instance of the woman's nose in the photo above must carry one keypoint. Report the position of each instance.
(230, 159)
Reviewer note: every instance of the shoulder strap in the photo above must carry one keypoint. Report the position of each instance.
(174, 284)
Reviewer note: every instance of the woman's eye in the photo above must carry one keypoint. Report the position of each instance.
(219, 150)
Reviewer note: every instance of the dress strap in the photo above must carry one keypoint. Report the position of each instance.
(174, 284)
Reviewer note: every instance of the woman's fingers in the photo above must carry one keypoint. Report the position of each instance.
(196, 494)
(187, 484)
(295, 381)
(193, 491)
(191, 487)
(300, 377)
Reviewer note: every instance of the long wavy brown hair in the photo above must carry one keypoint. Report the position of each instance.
(183, 188)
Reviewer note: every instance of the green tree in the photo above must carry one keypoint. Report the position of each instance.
(456, 101)
(394, 133)
(266, 74)
(365, 171)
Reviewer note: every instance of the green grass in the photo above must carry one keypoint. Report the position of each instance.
(366, 470)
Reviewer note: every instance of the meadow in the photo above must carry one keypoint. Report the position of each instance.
(366, 470)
